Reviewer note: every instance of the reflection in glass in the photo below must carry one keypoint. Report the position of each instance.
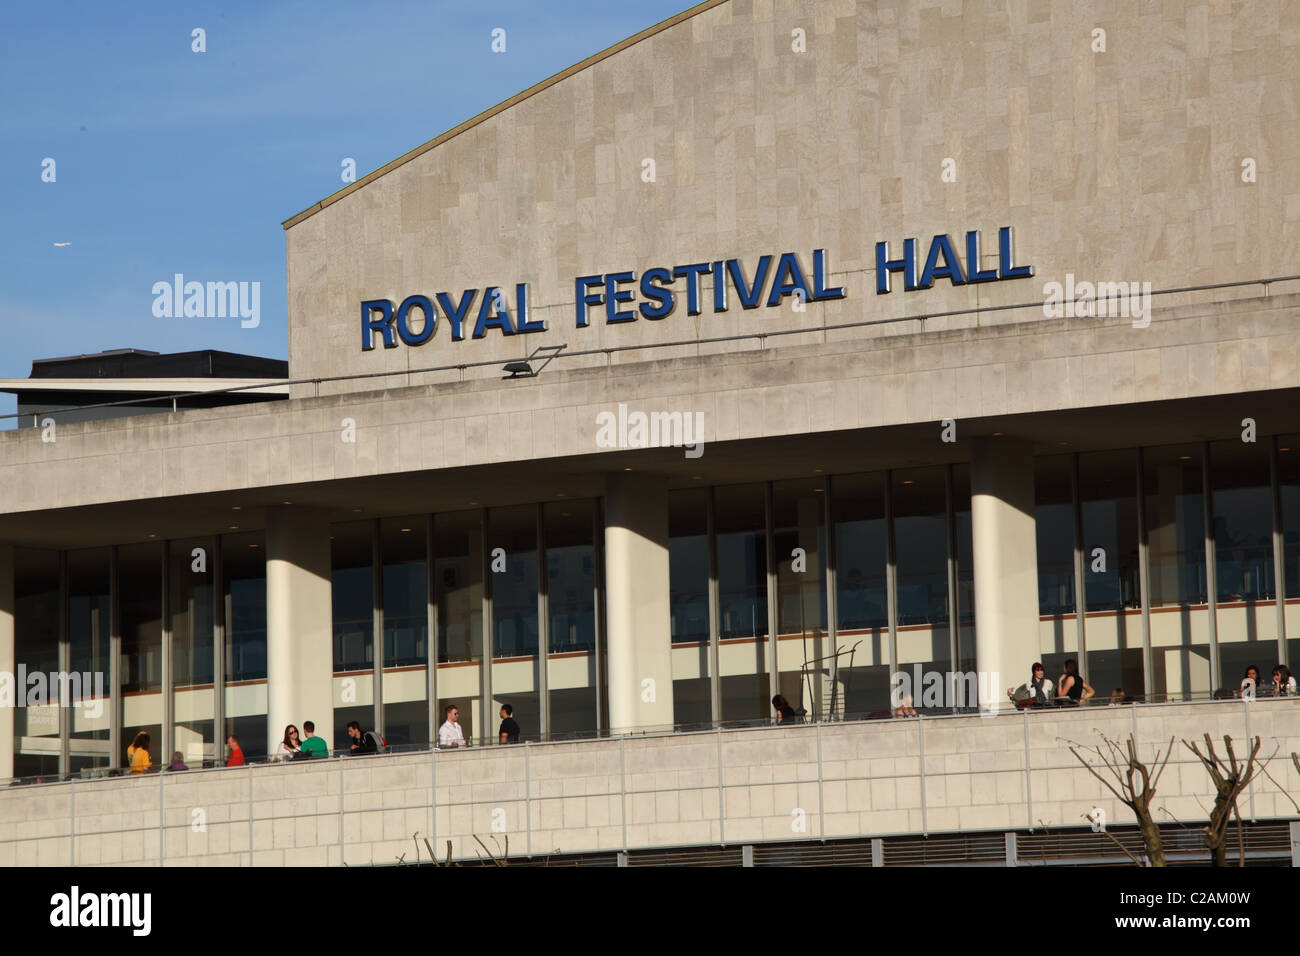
(965, 567)
(1243, 557)
(921, 546)
(458, 577)
(406, 627)
(1054, 525)
(810, 675)
(351, 560)
(1174, 512)
(861, 601)
(243, 573)
(140, 595)
(512, 544)
(190, 603)
(571, 623)
(688, 603)
(88, 637)
(741, 526)
(36, 647)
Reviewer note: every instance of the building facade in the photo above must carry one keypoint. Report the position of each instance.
(859, 342)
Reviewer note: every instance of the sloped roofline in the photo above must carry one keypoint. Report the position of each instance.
(500, 107)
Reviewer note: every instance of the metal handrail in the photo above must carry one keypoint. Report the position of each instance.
(761, 336)
(676, 730)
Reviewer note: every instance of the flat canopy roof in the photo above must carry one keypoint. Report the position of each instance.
(163, 386)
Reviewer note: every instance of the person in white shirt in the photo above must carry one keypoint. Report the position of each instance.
(1283, 682)
(1037, 689)
(449, 734)
(289, 747)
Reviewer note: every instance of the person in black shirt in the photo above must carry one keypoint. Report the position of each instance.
(360, 743)
(509, 733)
(784, 712)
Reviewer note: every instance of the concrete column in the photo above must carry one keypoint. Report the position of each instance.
(299, 622)
(636, 590)
(7, 664)
(1006, 563)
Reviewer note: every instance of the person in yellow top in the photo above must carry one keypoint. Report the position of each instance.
(137, 755)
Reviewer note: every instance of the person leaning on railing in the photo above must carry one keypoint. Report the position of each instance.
(137, 755)
(1035, 692)
(1074, 690)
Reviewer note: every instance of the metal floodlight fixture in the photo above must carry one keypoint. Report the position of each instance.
(524, 368)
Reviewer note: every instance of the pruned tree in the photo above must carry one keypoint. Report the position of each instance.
(1134, 784)
(1229, 780)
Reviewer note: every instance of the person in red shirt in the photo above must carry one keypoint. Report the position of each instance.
(236, 758)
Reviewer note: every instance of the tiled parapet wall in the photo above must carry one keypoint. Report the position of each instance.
(855, 779)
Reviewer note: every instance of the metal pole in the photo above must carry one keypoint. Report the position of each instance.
(920, 746)
(891, 574)
(622, 789)
(832, 611)
(1029, 790)
(432, 643)
(722, 801)
(218, 652)
(954, 622)
(65, 667)
(1279, 555)
(528, 802)
(715, 682)
(377, 624)
(72, 821)
(168, 678)
(773, 592)
(485, 677)
(598, 596)
(1080, 579)
(1144, 585)
(821, 799)
(1211, 572)
(543, 627)
(114, 662)
(1245, 703)
(250, 815)
(162, 834)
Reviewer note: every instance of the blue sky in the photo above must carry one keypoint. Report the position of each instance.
(168, 160)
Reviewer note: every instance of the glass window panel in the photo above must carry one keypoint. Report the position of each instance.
(406, 628)
(191, 577)
(243, 573)
(1174, 511)
(1175, 522)
(140, 597)
(89, 625)
(921, 548)
(1243, 556)
(741, 526)
(1243, 521)
(1054, 523)
(688, 602)
(512, 544)
(351, 556)
(458, 576)
(36, 648)
(809, 676)
(1107, 499)
(965, 566)
(571, 623)
(861, 592)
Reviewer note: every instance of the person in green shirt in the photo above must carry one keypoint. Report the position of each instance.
(312, 745)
